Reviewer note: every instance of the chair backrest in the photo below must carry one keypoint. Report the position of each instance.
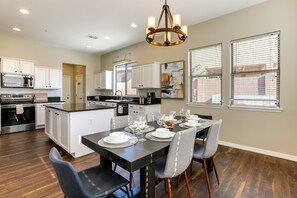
(153, 116)
(119, 122)
(180, 153)
(67, 176)
(212, 141)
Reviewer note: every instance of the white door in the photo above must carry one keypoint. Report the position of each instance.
(147, 76)
(136, 77)
(55, 78)
(67, 89)
(79, 89)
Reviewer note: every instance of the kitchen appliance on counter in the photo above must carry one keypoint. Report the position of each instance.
(40, 97)
(122, 109)
(150, 98)
(17, 112)
(16, 81)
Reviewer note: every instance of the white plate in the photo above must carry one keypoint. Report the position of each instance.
(194, 118)
(163, 134)
(194, 124)
(125, 138)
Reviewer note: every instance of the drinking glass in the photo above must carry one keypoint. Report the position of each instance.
(172, 114)
(188, 113)
(160, 122)
(181, 113)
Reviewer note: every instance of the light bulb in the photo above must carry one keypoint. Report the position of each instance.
(151, 22)
(176, 20)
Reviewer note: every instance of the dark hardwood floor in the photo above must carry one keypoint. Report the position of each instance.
(25, 171)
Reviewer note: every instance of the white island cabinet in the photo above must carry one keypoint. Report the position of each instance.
(66, 123)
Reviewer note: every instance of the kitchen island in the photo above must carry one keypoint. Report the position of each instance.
(66, 123)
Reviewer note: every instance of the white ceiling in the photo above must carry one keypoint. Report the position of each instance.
(67, 23)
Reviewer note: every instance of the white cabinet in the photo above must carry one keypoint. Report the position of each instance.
(17, 66)
(141, 110)
(103, 80)
(41, 115)
(57, 127)
(146, 76)
(47, 78)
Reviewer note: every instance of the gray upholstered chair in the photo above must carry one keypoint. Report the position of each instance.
(116, 123)
(178, 159)
(152, 116)
(96, 181)
(203, 134)
(202, 152)
(119, 122)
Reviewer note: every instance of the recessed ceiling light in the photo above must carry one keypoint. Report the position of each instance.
(89, 46)
(133, 25)
(107, 37)
(16, 29)
(24, 11)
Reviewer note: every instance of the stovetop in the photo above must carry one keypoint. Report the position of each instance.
(16, 98)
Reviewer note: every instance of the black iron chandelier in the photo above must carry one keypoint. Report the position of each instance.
(172, 25)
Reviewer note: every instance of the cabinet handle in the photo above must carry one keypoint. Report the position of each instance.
(57, 114)
(48, 111)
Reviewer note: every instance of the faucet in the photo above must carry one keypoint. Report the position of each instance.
(121, 94)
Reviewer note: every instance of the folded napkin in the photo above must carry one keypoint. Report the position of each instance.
(19, 109)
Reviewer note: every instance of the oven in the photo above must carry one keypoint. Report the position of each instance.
(17, 114)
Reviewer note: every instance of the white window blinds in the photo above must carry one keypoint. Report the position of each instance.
(255, 77)
(206, 74)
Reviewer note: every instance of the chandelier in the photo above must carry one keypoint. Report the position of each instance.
(172, 26)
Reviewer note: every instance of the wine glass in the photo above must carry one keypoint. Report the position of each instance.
(172, 114)
(160, 122)
(188, 113)
(181, 113)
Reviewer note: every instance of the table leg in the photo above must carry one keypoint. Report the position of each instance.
(105, 162)
(147, 181)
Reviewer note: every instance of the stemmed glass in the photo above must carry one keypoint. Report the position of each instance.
(142, 125)
(181, 113)
(188, 113)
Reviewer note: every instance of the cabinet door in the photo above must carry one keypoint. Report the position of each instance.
(54, 78)
(64, 131)
(41, 78)
(148, 76)
(40, 116)
(136, 77)
(97, 81)
(102, 80)
(48, 123)
(26, 67)
(10, 65)
(56, 127)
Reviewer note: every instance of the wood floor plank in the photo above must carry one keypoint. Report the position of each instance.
(25, 171)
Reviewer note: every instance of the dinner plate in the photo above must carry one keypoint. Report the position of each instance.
(124, 139)
(194, 118)
(163, 135)
(194, 124)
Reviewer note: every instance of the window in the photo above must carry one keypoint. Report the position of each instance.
(123, 81)
(255, 77)
(206, 75)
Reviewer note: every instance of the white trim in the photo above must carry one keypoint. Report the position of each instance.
(211, 106)
(261, 151)
(253, 108)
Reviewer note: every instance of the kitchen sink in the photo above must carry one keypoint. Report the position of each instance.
(113, 100)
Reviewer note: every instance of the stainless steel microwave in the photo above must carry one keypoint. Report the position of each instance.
(16, 81)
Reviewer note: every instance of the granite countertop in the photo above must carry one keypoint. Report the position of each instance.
(48, 102)
(75, 107)
(126, 102)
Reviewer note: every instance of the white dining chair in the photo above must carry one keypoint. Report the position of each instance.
(208, 150)
(178, 159)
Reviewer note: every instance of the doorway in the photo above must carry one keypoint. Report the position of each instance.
(74, 83)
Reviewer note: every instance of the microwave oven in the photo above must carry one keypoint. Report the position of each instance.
(16, 81)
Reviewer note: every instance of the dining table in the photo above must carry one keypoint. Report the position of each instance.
(140, 156)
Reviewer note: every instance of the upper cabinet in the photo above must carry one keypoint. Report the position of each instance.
(47, 78)
(146, 75)
(17, 66)
(103, 80)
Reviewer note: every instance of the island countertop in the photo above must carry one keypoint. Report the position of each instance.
(75, 107)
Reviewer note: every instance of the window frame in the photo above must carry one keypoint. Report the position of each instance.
(233, 73)
(115, 77)
(190, 77)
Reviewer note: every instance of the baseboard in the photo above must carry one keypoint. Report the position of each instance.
(261, 151)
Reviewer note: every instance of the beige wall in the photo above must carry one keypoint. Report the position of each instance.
(13, 45)
(264, 130)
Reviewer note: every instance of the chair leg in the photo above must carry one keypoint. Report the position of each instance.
(127, 191)
(215, 169)
(206, 177)
(165, 187)
(130, 181)
(187, 183)
(168, 187)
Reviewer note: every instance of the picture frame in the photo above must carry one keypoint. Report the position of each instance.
(173, 80)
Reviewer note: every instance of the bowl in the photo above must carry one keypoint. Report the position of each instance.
(116, 135)
(162, 130)
(192, 121)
